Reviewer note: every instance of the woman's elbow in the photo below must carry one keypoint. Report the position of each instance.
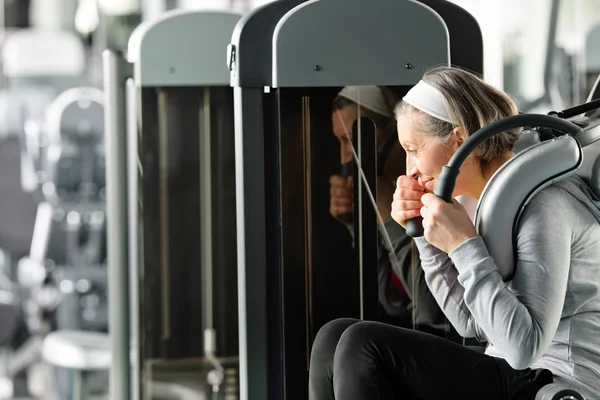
(524, 355)
(465, 330)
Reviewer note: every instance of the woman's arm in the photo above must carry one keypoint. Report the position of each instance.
(521, 317)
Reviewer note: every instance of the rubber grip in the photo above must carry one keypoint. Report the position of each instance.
(414, 227)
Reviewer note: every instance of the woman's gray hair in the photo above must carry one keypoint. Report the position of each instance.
(473, 104)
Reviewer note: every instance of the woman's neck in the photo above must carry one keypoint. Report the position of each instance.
(485, 172)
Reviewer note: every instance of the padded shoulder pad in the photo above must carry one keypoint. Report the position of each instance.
(513, 186)
(528, 138)
(590, 169)
(595, 178)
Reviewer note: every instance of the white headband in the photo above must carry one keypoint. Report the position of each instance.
(430, 100)
(369, 97)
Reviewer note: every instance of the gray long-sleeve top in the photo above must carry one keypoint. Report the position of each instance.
(548, 315)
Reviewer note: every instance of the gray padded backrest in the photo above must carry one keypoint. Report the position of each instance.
(315, 45)
(595, 175)
(511, 188)
(527, 139)
(590, 168)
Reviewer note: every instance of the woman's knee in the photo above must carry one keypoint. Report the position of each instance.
(357, 359)
(328, 337)
(356, 337)
(367, 337)
(321, 360)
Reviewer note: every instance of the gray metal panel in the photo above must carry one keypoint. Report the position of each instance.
(250, 53)
(374, 42)
(504, 196)
(183, 48)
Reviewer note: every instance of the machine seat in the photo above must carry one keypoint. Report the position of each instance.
(80, 350)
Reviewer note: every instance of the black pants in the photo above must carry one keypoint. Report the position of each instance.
(356, 360)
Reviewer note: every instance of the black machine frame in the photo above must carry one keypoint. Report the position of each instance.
(281, 295)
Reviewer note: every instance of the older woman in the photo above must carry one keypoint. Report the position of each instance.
(542, 325)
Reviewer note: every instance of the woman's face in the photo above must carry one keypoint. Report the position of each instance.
(342, 121)
(426, 155)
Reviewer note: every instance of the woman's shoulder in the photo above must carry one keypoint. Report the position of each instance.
(551, 198)
(565, 200)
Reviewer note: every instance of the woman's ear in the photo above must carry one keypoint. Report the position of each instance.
(458, 137)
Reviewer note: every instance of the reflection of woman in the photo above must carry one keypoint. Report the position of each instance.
(546, 319)
(393, 297)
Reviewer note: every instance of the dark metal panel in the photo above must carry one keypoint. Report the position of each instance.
(173, 120)
(252, 44)
(255, 303)
(466, 41)
(150, 285)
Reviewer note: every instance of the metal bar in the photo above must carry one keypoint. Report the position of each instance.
(163, 176)
(365, 226)
(357, 218)
(308, 218)
(115, 73)
(206, 223)
(133, 172)
(251, 242)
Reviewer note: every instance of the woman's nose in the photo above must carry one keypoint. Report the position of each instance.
(411, 169)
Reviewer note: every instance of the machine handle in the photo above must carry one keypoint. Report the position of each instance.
(447, 180)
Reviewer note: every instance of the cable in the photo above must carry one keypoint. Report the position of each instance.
(386, 237)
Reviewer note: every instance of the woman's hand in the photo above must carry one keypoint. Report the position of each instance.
(406, 201)
(340, 196)
(446, 226)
